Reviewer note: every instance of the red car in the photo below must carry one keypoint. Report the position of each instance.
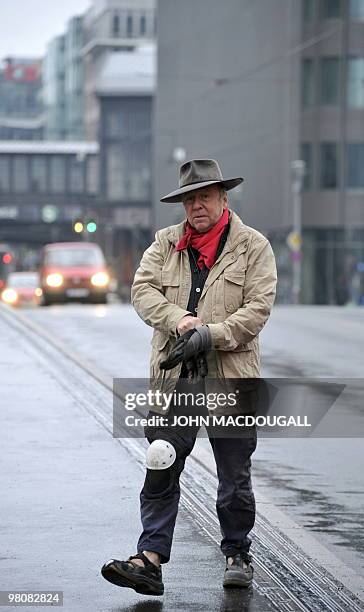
(22, 289)
(73, 271)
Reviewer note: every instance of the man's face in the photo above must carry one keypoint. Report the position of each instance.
(204, 207)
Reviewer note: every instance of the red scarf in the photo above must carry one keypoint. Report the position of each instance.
(207, 243)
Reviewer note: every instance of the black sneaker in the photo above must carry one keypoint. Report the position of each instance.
(240, 573)
(146, 580)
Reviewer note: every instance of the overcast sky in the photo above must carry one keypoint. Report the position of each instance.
(26, 26)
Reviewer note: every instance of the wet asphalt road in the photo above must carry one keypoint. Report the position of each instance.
(70, 502)
(317, 482)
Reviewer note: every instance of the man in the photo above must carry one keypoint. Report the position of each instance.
(207, 287)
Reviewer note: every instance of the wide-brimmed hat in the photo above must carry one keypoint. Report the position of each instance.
(199, 173)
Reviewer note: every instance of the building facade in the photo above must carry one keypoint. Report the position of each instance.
(63, 84)
(112, 26)
(332, 145)
(125, 90)
(272, 83)
(21, 109)
(45, 187)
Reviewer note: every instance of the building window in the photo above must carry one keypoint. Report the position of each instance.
(20, 174)
(57, 174)
(357, 10)
(116, 124)
(306, 156)
(38, 173)
(308, 83)
(115, 25)
(4, 174)
(355, 166)
(92, 175)
(116, 172)
(329, 80)
(329, 165)
(76, 171)
(356, 82)
(129, 25)
(331, 9)
(308, 10)
(143, 25)
(139, 172)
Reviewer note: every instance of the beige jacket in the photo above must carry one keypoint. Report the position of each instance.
(236, 300)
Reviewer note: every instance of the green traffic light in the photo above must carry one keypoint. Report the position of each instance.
(91, 227)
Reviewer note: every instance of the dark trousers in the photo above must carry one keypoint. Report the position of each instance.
(235, 503)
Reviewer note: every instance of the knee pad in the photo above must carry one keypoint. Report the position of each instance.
(160, 455)
(160, 459)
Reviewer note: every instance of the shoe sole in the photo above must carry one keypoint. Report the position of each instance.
(236, 584)
(236, 580)
(144, 586)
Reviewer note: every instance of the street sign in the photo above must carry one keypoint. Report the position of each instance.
(294, 241)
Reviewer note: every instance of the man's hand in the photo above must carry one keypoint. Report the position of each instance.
(189, 346)
(188, 322)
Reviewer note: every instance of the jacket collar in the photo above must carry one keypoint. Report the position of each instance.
(238, 233)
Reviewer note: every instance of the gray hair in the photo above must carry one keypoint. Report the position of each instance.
(222, 190)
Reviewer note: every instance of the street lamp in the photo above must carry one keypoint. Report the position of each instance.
(298, 168)
(179, 155)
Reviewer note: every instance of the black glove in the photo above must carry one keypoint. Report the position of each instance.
(196, 368)
(189, 346)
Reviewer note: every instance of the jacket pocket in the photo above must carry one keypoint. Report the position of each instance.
(160, 346)
(170, 284)
(159, 340)
(234, 281)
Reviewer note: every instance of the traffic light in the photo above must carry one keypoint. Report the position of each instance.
(78, 227)
(91, 226)
(7, 258)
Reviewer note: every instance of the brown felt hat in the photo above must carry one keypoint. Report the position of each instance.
(199, 173)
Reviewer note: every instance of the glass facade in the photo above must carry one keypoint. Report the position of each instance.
(38, 173)
(355, 165)
(129, 25)
(20, 174)
(357, 10)
(329, 80)
(329, 165)
(116, 25)
(127, 143)
(306, 156)
(57, 174)
(308, 10)
(49, 174)
(75, 175)
(92, 175)
(4, 173)
(331, 9)
(356, 82)
(116, 172)
(143, 25)
(307, 83)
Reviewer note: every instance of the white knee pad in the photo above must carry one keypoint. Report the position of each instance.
(160, 455)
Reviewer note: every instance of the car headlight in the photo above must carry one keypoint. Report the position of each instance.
(38, 292)
(9, 296)
(54, 280)
(100, 279)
